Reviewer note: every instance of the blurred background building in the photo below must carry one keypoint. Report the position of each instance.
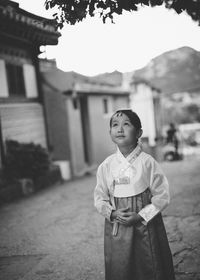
(22, 115)
(68, 113)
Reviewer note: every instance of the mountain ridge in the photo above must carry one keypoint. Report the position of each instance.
(173, 71)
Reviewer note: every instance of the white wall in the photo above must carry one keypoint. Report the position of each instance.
(141, 101)
(30, 81)
(75, 139)
(3, 80)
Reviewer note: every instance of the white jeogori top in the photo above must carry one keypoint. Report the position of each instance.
(118, 176)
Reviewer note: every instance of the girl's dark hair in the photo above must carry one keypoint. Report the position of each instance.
(133, 117)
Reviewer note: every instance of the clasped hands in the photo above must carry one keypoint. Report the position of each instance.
(125, 216)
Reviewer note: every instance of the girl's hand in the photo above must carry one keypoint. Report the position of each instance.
(118, 213)
(128, 218)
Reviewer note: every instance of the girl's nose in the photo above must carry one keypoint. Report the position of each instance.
(120, 128)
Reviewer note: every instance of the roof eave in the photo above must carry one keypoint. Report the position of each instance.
(18, 22)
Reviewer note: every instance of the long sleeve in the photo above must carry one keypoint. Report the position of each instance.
(160, 192)
(101, 195)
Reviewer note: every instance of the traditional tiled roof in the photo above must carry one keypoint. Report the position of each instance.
(17, 22)
(67, 82)
(114, 78)
(60, 80)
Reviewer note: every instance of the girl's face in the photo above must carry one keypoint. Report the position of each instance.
(122, 132)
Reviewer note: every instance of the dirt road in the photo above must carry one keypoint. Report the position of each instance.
(56, 234)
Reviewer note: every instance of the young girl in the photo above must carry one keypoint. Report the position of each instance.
(131, 192)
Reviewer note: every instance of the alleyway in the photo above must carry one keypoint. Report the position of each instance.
(57, 235)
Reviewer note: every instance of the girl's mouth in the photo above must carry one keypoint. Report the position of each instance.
(120, 136)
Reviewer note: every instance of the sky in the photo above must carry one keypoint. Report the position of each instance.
(91, 47)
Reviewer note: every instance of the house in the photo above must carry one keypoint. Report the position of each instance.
(78, 123)
(22, 115)
(145, 100)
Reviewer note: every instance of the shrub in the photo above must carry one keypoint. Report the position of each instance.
(25, 161)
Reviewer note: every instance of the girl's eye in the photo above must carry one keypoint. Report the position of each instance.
(127, 123)
(114, 124)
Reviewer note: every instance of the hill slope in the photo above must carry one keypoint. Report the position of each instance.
(174, 71)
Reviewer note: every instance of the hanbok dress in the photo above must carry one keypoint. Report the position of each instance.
(141, 251)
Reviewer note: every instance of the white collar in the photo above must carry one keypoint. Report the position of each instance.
(131, 157)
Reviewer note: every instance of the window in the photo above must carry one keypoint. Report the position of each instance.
(105, 106)
(15, 78)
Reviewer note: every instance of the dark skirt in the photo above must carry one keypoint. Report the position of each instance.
(139, 252)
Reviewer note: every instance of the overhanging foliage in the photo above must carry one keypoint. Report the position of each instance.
(73, 11)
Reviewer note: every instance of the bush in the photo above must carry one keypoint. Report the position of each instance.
(25, 161)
